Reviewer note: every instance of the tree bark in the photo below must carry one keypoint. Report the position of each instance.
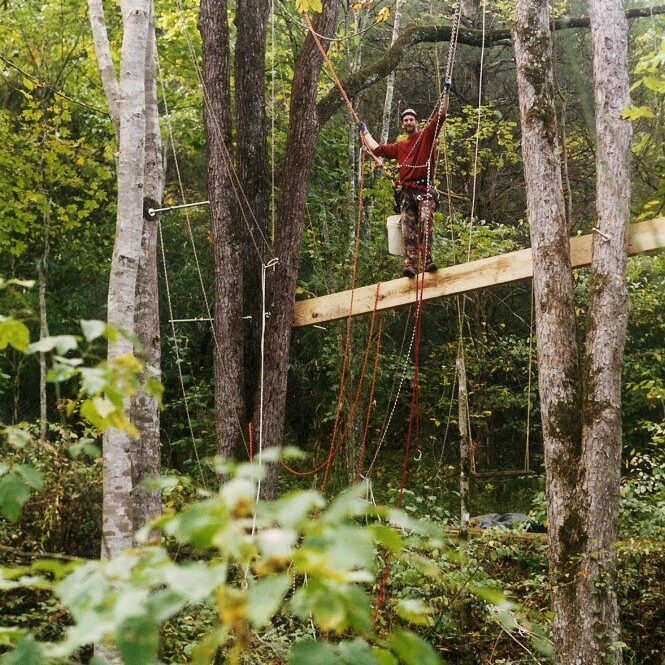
(43, 332)
(146, 461)
(558, 375)
(390, 83)
(299, 156)
(117, 503)
(608, 316)
(464, 448)
(105, 60)
(229, 382)
(252, 212)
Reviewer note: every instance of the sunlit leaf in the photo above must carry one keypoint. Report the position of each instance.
(138, 640)
(265, 598)
(411, 649)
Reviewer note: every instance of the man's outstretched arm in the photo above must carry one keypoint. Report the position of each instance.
(367, 138)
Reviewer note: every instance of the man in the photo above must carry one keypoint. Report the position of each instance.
(416, 156)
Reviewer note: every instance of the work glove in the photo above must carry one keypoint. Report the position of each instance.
(362, 127)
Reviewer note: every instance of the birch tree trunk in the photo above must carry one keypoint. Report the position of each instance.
(229, 404)
(299, 156)
(146, 460)
(390, 83)
(558, 375)
(117, 502)
(608, 316)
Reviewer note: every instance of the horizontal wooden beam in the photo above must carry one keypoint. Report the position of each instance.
(643, 238)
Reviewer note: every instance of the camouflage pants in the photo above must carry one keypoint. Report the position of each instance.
(417, 210)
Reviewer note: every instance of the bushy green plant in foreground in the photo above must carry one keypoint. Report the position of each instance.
(298, 557)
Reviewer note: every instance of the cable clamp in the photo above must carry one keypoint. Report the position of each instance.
(601, 233)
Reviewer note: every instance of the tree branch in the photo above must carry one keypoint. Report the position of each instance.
(380, 68)
(105, 60)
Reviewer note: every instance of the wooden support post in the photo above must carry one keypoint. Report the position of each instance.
(643, 238)
(464, 447)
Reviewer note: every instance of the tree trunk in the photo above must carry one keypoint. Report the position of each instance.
(558, 375)
(390, 83)
(117, 502)
(146, 460)
(464, 448)
(252, 212)
(229, 408)
(608, 316)
(43, 332)
(299, 156)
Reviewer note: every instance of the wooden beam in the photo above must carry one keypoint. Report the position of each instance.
(643, 238)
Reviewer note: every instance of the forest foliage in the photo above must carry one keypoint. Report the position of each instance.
(306, 566)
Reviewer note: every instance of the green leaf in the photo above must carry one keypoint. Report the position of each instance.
(310, 652)
(411, 649)
(28, 652)
(349, 503)
(414, 611)
(13, 333)
(14, 492)
(18, 437)
(61, 343)
(265, 598)
(655, 83)
(194, 581)
(31, 476)
(93, 329)
(304, 6)
(85, 447)
(138, 640)
(637, 112)
(358, 652)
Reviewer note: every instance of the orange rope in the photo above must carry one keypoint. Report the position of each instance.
(370, 402)
(338, 83)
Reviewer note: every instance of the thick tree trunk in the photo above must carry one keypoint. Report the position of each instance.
(555, 320)
(229, 407)
(252, 212)
(299, 157)
(608, 316)
(117, 502)
(146, 460)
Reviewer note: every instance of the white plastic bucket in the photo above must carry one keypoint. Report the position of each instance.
(395, 241)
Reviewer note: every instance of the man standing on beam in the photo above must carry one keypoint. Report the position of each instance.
(415, 190)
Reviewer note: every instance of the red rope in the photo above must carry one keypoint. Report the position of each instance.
(370, 402)
(251, 442)
(356, 401)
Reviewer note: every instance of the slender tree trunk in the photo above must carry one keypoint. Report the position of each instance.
(43, 332)
(464, 447)
(608, 316)
(299, 156)
(252, 212)
(229, 407)
(558, 375)
(390, 83)
(117, 502)
(146, 462)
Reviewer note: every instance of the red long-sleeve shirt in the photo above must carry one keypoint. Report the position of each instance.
(412, 154)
